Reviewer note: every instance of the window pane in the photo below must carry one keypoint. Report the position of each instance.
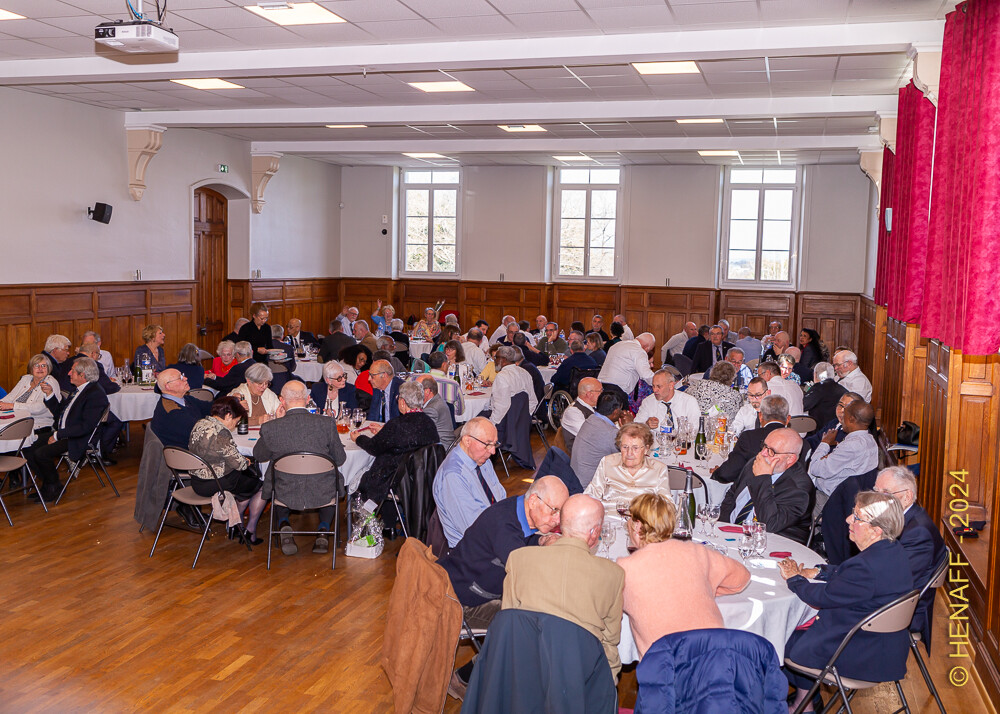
(571, 261)
(778, 204)
(444, 231)
(776, 235)
(743, 235)
(417, 176)
(602, 261)
(779, 175)
(744, 176)
(416, 231)
(445, 176)
(742, 264)
(444, 203)
(574, 176)
(417, 202)
(744, 203)
(602, 233)
(444, 259)
(571, 232)
(774, 265)
(604, 176)
(416, 257)
(602, 204)
(574, 204)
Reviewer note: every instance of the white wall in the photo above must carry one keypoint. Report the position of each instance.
(671, 225)
(835, 229)
(367, 194)
(297, 235)
(871, 257)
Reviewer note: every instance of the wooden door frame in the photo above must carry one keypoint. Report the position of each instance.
(221, 307)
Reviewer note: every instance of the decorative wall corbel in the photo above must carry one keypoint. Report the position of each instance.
(143, 143)
(871, 164)
(887, 130)
(262, 168)
(927, 70)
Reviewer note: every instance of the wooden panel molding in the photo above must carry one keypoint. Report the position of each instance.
(835, 317)
(757, 309)
(866, 337)
(663, 311)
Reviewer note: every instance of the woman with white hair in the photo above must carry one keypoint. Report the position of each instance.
(856, 588)
(260, 402)
(28, 399)
(334, 386)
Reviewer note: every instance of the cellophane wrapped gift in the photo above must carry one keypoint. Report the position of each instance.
(366, 531)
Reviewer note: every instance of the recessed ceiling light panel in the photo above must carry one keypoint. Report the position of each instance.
(719, 152)
(346, 126)
(424, 155)
(209, 83)
(699, 121)
(573, 157)
(294, 13)
(514, 128)
(441, 86)
(8, 15)
(666, 67)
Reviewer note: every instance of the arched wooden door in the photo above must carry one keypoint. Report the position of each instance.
(210, 266)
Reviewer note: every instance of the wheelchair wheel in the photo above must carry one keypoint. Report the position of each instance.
(559, 402)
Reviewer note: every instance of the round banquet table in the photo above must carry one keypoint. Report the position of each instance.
(716, 491)
(547, 373)
(134, 403)
(358, 460)
(475, 402)
(766, 607)
(309, 370)
(420, 347)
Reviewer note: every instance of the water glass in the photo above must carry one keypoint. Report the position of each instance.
(703, 516)
(713, 511)
(745, 548)
(608, 533)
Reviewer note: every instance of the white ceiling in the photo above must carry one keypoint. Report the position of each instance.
(803, 77)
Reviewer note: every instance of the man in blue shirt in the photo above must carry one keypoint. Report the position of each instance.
(466, 484)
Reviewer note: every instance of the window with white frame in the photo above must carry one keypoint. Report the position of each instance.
(586, 202)
(430, 221)
(760, 224)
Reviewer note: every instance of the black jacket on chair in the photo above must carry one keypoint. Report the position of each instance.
(399, 436)
(514, 431)
(415, 489)
(84, 415)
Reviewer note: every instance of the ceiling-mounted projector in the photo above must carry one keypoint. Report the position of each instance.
(136, 36)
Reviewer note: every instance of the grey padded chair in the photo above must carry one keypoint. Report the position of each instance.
(305, 463)
(19, 429)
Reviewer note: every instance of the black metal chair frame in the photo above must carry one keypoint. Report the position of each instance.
(30, 426)
(937, 579)
(276, 499)
(92, 456)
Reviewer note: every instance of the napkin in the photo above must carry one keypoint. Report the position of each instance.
(781, 554)
(731, 529)
(475, 394)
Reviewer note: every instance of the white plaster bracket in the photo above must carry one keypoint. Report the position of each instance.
(871, 164)
(143, 143)
(887, 129)
(927, 70)
(262, 168)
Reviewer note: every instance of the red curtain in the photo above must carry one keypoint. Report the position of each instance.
(961, 299)
(885, 274)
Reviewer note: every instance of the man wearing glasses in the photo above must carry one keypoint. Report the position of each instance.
(774, 489)
(466, 484)
(552, 344)
(385, 392)
(748, 415)
(773, 415)
(176, 413)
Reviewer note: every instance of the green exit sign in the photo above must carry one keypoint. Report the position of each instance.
(223, 168)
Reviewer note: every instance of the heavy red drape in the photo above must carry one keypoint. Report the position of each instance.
(885, 273)
(961, 297)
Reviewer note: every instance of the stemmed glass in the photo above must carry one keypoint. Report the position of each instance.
(622, 508)
(608, 533)
(713, 511)
(745, 547)
(703, 516)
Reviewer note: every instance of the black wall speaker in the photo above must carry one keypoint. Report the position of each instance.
(100, 212)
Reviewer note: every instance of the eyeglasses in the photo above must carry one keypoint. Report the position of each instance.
(488, 444)
(890, 493)
(857, 519)
(633, 448)
(769, 451)
(552, 509)
(756, 396)
(378, 374)
(341, 378)
(182, 378)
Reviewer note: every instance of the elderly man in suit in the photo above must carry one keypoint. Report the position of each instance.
(294, 431)
(237, 373)
(436, 408)
(177, 411)
(773, 415)
(385, 391)
(57, 349)
(336, 341)
(708, 353)
(76, 417)
(298, 337)
(774, 489)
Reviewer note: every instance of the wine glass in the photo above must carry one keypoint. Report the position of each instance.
(745, 548)
(622, 508)
(702, 517)
(759, 543)
(713, 511)
(608, 533)
(358, 418)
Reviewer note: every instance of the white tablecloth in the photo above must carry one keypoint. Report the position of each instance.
(134, 403)
(547, 373)
(11, 445)
(418, 348)
(716, 491)
(766, 607)
(311, 371)
(358, 460)
(474, 404)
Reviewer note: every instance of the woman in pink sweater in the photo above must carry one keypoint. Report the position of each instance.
(671, 585)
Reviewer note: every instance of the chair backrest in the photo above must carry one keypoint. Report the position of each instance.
(752, 364)
(304, 463)
(802, 423)
(578, 373)
(940, 574)
(893, 617)
(677, 479)
(204, 355)
(683, 364)
(419, 366)
(202, 393)
(18, 429)
(99, 424)
(178, 459)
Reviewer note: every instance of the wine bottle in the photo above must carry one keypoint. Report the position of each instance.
(700, 445)
(685, 519)
(689, 494)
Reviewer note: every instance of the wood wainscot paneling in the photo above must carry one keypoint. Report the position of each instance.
(491, 301)
(836, 317)
(663, 311)
(866, 338)
(315, 301)
(117, 311)
(572, 302)
(414, 296)
(757, 309)
(364, 294)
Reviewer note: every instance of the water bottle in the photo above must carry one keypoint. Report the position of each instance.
(145, 368)
(311, 406)
(562, 335)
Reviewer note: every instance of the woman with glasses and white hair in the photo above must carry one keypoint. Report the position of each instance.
(856, 588)
(334, 386)
(28, 399)
(260, 402)
(629, 473)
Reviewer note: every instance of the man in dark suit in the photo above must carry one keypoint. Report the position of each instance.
(820, 402)
(57, 349)
(530, 353)
(335, 342)
(774, 489)
(708, 353)
(692, 345)
(177, 412)
(298, 337)
(281, 367)
(773, 415)
(237, 373)
(297, 430)
(385, 392)
(577, 358)
(76, 417)
(113, 427)
(234, 336)
(920, 539)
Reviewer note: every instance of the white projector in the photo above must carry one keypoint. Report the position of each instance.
(136, 36)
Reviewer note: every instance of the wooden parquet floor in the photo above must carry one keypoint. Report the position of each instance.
(90, 623)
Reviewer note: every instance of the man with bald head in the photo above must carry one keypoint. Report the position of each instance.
(780, 342)
(626, 330)
(299, 338)
(176, 412)
(466, 484)
(675, 345)
(774, 489)
(587, 393)
(855, 455)
(567, 580)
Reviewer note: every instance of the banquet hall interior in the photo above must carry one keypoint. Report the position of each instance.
(826, 164)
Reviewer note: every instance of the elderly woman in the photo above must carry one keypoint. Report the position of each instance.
(630, 472)
(786, 362)
(412, 429)
(189, 365)
(260, 402)
(856, 588)
(334, 386)
(154, 337)
(658, 602)
(353, 359)
(212, 440)
(717, 391)
(226, 358)
(383, 316)
(28, 399)
(257, 332)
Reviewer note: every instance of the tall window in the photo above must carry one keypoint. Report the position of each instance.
(430, 221)
(587, 202)
(760, 222)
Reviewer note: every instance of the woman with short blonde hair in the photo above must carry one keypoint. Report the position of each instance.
(153, 336)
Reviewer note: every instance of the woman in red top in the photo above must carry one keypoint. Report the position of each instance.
(226, 352)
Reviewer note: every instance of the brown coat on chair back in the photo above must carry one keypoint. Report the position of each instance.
(421, 632)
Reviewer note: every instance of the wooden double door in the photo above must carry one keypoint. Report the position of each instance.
(210, 263)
